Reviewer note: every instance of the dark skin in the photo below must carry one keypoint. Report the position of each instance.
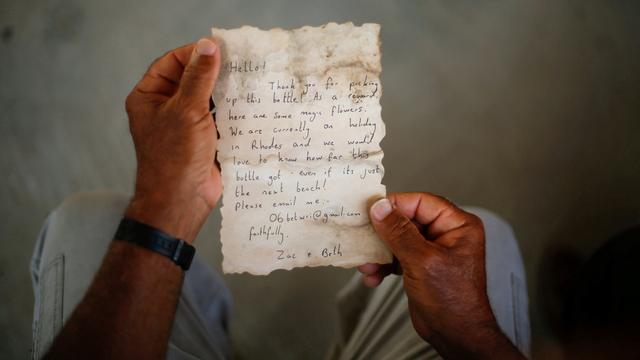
(440, 251)
(128, 311)
(129, 308)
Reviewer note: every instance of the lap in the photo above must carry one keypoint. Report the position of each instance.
(68, 253)
(372, 324)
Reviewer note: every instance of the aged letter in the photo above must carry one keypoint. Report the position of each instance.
(298, 114)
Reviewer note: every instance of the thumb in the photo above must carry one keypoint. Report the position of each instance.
(395, 229)
(199, 77)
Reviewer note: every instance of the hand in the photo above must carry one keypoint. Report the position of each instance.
(440, 250)
(177, 181)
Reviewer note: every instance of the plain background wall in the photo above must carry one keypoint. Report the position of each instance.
(528, 108)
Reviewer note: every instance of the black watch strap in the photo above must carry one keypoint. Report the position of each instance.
(156, 240)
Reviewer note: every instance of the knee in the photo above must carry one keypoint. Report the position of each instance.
(500, 241)
(81, 219)
(86, 204)
(506, 281)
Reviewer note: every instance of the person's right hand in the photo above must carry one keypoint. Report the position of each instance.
(440, 250)
(177, 180)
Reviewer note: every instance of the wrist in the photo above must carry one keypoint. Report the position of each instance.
(143, 235)
(478, 341)
(179, 218)
(489, 342)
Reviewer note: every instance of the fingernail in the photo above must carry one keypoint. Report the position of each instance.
(205, 47)
(381, 209)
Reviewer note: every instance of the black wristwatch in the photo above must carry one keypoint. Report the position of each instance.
(156, 240)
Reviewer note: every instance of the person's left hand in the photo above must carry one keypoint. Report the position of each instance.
(177, 181)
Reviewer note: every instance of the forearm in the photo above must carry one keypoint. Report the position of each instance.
(128, 310)
(478, 343)
(502, 348)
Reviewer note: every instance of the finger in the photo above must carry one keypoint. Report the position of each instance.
(381, 270)
(199, 77)
(438, 213)
(163, 76)
(369, 269)
(397, 231)
(372, 280)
